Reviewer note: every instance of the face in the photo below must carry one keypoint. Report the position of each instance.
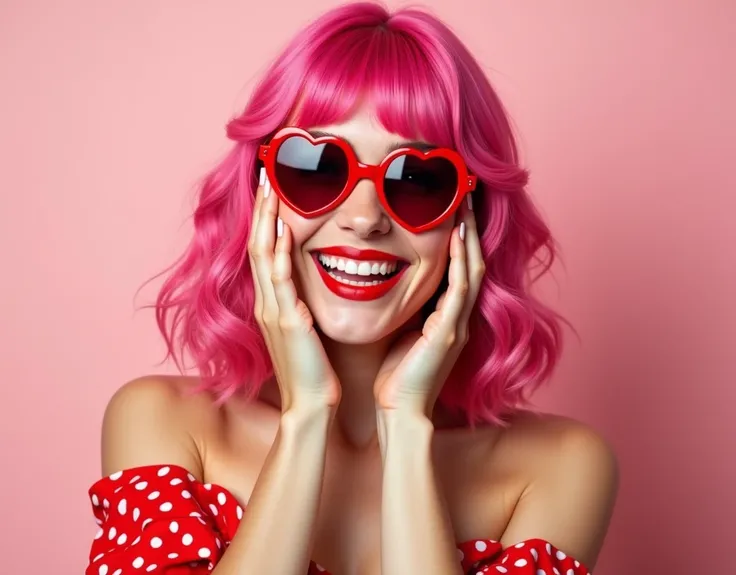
(358, 237)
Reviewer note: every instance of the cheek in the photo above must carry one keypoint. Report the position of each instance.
(301, 228)
(434, 246)
(434, 255)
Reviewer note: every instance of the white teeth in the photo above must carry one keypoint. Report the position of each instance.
(360, 268)
(354, 283)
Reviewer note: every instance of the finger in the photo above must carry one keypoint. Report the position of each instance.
(258, 303)
(260, 189)
(457, 289)
(284, 289)
(441, 301)
(263, 250)
(476, 267)
(261, 257)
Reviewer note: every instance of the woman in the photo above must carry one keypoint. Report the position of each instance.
(355, 298)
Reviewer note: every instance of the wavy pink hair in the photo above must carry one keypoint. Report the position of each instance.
(421, 81)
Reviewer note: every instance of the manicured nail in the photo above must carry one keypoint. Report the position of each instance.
(470, 202)
(279, 227)
(266, 188)
(262, 177)
(462, 231)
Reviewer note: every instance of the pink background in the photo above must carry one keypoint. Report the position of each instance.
(109, 111)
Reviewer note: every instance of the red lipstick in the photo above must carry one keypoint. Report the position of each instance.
(359, 292)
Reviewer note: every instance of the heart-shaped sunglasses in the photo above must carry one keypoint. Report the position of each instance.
(313, 175)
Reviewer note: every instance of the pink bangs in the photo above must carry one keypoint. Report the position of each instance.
(390, 73)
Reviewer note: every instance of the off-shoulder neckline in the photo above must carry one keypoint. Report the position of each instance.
(158, 467)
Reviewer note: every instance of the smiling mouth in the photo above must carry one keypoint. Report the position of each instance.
(359, 275)
(359, 272)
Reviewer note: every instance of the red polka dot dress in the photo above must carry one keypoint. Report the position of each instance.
(159, 519)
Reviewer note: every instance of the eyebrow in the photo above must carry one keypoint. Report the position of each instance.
(416, 144)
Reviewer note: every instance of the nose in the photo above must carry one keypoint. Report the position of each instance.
(362, 212)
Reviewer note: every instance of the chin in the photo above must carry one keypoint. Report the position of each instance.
(355, 326)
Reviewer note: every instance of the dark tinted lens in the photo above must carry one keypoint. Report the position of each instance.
(420, 190)
(310, 176)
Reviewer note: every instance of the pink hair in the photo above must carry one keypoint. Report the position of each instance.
(418, 76)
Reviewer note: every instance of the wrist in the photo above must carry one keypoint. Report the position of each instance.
(405, 419)
(306, 417)
(404, 430)
(411, 405)
(311, 403)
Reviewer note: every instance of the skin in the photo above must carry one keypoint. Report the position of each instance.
(378, 461)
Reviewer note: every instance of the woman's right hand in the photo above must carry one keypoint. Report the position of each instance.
(302, 369)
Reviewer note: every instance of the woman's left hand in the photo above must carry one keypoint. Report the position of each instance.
(416, 368)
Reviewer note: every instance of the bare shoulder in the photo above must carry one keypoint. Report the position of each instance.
(154, 420)
(571, 483)
(545, 438)
(535, 442)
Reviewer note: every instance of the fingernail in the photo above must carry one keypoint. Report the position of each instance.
(470, 202)
(279, 227)
(266, 188)
(262, 178)
(462, 231)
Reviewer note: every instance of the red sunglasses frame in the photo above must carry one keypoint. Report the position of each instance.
(358, 171)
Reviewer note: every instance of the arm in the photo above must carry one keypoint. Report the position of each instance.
(569, 505)
(275, 535)
(416, 534)
(141, 428)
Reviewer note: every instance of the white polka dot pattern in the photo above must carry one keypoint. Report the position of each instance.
(179, 526)
(149, 526)
(530, 557)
